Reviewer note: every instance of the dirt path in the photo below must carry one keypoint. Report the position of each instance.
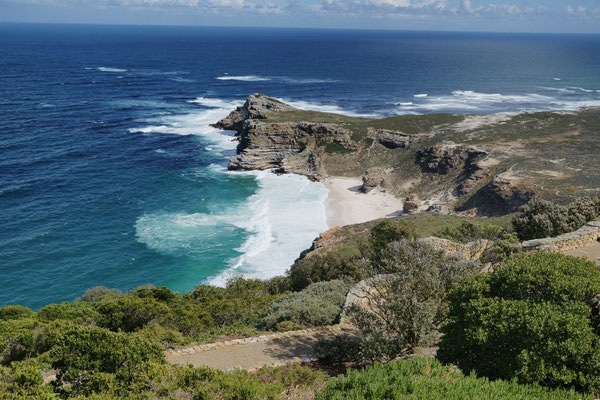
(253, 353)
(591, 252)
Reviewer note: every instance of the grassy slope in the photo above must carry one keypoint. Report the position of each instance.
(553, 153)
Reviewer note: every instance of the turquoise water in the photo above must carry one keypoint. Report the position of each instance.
(110, 174)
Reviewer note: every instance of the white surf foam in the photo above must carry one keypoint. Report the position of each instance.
(471, 101)
(215, 103)
(283, 218)
(557, 79)
(421, 95)
(243, 78)
(196, 122)
(326, 108)
(109, 69)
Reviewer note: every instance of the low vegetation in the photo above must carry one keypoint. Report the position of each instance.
(531, 319)
(543, 218)
(528, 329)
(402, 305)
(429, 379)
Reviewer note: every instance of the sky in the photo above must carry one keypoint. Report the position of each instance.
(559, 16)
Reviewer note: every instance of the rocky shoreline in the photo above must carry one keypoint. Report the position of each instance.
(440, 162)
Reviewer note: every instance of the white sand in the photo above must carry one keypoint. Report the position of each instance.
(347, 205)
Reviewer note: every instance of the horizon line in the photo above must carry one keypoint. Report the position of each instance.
(295, 27)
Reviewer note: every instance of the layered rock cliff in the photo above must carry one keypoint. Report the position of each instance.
(449, 163)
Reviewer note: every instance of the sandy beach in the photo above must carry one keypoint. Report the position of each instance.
(347, 205)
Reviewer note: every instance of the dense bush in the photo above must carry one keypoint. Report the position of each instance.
(542, 218)
(404, 303)
(531, 319)
(422, 378)
(83, 352)
(99, 293)
(14, 312)
(22, 381)
(504, 248)
(346, 261)
(319, 304)
(342, 262)
(468, 232)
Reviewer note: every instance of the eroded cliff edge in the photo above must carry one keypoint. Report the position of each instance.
(475, 165)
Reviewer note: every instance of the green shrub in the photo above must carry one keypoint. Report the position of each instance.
(503, 249)
(530, 319)
(387, 231)
(319, 304)
(82, 352)
(80, 312)
(130, 313)
(542, 218)
(468, 232)
(422, 378)
(27, 338)
(15, 312)
(339, 263)
(403, 304)
(98, 294)
(22, 381)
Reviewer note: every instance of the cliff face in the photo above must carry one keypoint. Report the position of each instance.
(291, 147)
(452, 163)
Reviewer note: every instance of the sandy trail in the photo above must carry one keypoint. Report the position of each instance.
(591, 252)
(279, 349)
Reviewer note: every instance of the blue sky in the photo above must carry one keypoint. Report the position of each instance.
(463, 15)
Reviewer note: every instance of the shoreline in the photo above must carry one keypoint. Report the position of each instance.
(346, 205)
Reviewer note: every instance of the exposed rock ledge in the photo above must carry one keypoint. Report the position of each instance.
(289, 147)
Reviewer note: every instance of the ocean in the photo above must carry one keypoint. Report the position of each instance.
(111, 175)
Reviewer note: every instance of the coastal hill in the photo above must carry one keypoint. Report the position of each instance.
(472, 164)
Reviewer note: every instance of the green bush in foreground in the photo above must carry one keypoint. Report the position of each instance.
(542, 218)
(468, 231)
(317, 305)
(84, 355)
(531, 319)
(402, 306)
(422, 378)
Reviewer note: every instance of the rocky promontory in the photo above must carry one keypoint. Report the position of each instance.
(483, 167)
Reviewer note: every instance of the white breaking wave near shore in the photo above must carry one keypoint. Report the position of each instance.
(281, 219)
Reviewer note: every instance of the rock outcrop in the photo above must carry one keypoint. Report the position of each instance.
(392, 139)
(411, 204)
(372, 178)
(503, 195)
(291, 147)
(257, 106)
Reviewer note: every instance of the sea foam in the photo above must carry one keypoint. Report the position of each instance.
(244, 78)
(109, 69)
(282, 218)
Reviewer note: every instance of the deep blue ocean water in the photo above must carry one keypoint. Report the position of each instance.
(110, 174)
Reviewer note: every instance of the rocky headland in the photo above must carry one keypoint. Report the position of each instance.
(449, 163)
